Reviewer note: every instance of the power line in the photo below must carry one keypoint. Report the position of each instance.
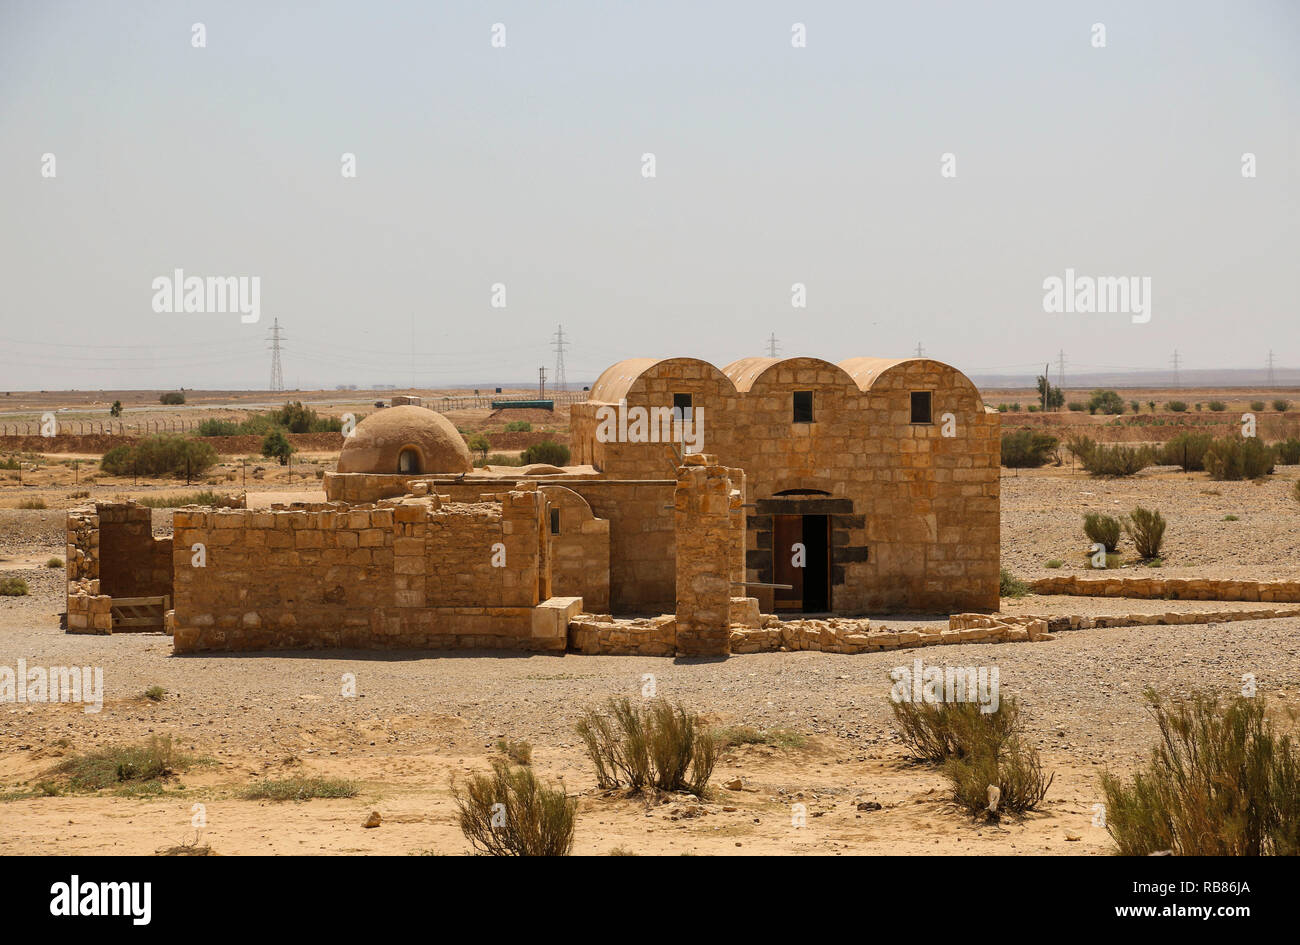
(772, 345)
(277, 372)
(920, 351)
(1060, 369)
(1175, 362)
(1271, 382)
(559, 382)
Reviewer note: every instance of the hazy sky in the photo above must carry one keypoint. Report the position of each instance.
(523, 165)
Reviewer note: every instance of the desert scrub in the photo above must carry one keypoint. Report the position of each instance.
(299, 789)
(161, 454)
(206, 497)
(155, 693)
(1146, 529)
(1288, 451)
(1011, 586)
(1054, 563)
(1025, 449)
(1239, 457)
(511, 813)
(735, 735)
(1113, 460)
(13, 587)
(54, 563)
(1102, 529)
(521, 753)
(978, 751)
(33, 504)
(152, 760)
(653, 745)
(1186, 450)
(1221, 782)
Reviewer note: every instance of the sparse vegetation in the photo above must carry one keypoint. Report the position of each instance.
(511, 813)
(1288, 451)
(1146, 529)
(1011, 586)
(13, 587)
(300, 789)
(1110, 459)
(155, 693)
(1218, 406)
(1257, 406)
(478, 443)
(1186, 450)
(521, 753)
(1239, 457)
(518, 426)
(179, 500)
(547, 451)
(172, 398)
(1054, 563)
(277, 446)
(735, 735)
(162, 454)
(33, 504)
(1177, 406)
(1102, 529)
(1027, 449)
(655, 744)
(1281, 406)
(152, 760)
(1221, 782)
(55, 562)
(1106, 402)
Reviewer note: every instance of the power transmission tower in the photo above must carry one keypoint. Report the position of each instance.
(559, 344)
(541, 383)
(1060, 369)
(1177, 382)
(1271, 382)
(772, 345)
(277, 372)
(920, 351)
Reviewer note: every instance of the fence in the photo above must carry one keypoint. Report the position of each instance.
(99, 427)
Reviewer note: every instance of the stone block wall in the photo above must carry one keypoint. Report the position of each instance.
(112, 553)
(707, 514)
(579, 549)
(410, 573)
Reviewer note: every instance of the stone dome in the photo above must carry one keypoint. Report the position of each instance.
(405, 440)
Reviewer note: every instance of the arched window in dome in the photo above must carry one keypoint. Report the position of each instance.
(408, 462)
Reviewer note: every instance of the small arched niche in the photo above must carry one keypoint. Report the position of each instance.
(408, 461)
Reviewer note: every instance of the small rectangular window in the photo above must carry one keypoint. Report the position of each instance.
(803, 407)
(555, 521)
(682, 407)
(921, 406)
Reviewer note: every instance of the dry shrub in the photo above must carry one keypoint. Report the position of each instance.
(1186, 450)
(511, 813)
(1146, 528)
(977, 750)
(1102, 529)
(1221, 782)
(655, 744)
(521, 753)
(1239, 457)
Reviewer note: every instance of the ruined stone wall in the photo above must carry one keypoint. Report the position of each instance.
(706, 514)
(112, 553)
(414, 573)
(579, 549)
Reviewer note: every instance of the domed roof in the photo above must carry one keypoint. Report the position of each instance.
(429, 439)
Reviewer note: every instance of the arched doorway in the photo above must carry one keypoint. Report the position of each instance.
(408, 462)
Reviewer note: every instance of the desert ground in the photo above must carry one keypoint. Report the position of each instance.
(421, 720)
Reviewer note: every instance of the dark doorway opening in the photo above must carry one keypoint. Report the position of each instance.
(801, 552)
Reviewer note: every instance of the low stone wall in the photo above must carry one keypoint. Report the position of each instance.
(1058, 624)
(602, 634)
(1170, 588)
(857, 636)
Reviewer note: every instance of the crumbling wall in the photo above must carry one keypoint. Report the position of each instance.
(112, 553)
(579, 549)
(708, 515)
(410, 573)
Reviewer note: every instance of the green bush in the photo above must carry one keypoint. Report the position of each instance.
(1239, 457)
(162, 454)
(1288, 451)
(1011, 586)
(937, 731)
(1218, 406)
(1281, 406)
(214, 427)
(518, 426)
(1177, 406)
(547, 451)
(13, 587)
(651, 745)
(1257, 405)
(1077, 406)
(1146, 528)
(1102, 529)
(478, 443)
(1025, 449)
(1105, 401)
(172, 398)
(1221, 782)
(1186, 450)
(511, 813)
(277, 446)
(1110, 459)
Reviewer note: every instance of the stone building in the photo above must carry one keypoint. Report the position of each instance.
(872, 484)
